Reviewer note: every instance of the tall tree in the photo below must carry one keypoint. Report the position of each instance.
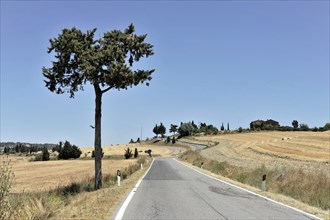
(156, 130)
(222, 127)
(295, 124)
(105, 63)
(228, 126)
(173, 129)
(161, 129)
(45, 154)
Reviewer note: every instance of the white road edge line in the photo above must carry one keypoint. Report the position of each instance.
(268, 199)
(122, 209)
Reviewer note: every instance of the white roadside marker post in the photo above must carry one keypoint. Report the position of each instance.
(141, 166)
(263, 183)
(118, 177)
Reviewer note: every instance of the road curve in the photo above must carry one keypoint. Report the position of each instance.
(194, 145)
(171, 190)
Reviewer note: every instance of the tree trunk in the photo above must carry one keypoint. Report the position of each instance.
(97, 140)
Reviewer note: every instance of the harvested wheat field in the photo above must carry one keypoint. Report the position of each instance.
(309, 151)
(46, 175)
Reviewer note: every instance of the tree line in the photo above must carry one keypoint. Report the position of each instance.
(190, 128)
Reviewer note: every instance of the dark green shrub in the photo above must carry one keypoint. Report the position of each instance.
(69, 151)
(71, 189)
(136, 153)
(128, 153)
(45, 154)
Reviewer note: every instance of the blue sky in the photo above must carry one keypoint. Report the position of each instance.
(215, 61)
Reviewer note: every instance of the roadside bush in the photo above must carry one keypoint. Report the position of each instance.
(72, 189)
(136, 153)
(6, 179)
(128, 153)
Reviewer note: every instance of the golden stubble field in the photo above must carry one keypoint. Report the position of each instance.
(46, 175)
(309, 151)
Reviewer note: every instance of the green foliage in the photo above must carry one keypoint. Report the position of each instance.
(285, 128)
(138, 140)
(156, 130)
(69, 151)
(173, 129)
(45, 154)
(72, 189)
(104, 62)
(186, 129)
(136, 153)
(326, 127)
(38, 157)
(240, 129)
(58, 147)
(162, 129)
(131, 141)
(6, 179)
(295, 124)
(228, 127)
(304, 127)
(168, 139)
(128, 153)
(194, 125)
(159, 129)
(207, 129)
(222, 127)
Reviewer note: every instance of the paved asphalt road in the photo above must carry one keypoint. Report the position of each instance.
(196, 146)
(170, 190)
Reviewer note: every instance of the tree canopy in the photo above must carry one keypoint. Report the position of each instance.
(105, 63)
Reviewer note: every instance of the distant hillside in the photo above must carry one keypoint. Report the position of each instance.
(12, 145)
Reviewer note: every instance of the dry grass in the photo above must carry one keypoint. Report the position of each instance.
(64, 188)
(100, 204)
(309, 151)
(44, 176)
(76, 198)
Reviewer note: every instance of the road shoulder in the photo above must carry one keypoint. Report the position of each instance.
(287, 201)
